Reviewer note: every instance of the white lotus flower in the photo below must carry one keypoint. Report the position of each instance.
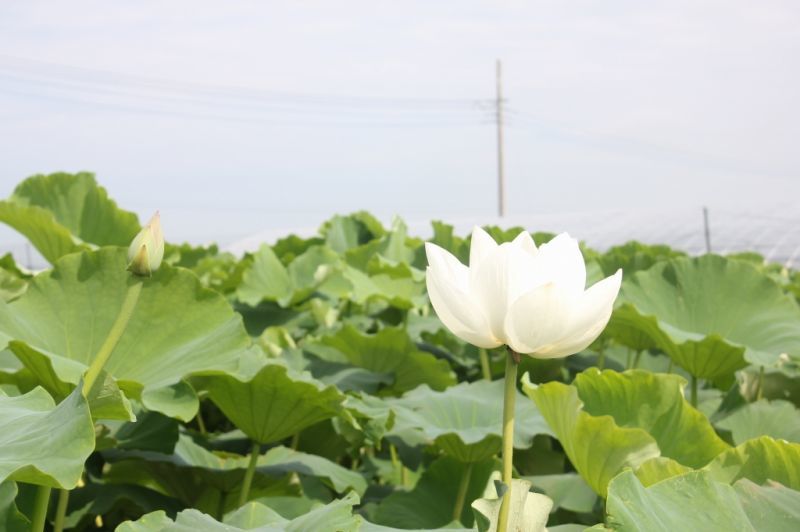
(147, 249)
(533, 300)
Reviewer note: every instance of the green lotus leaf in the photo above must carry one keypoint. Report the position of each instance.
(397, 287)
(566, 490)
(292, 246)
(45, 444)
(769, 507)
(151, 431)
(759, 460)
(11, 519)
(38, 370)
(348, 378)
(371, 418)
(50, 238)
(345, 232)
(444, 236)
(210, 491)
(267, 279)
(778, 419)
(366, 526)
(211, 481)
(10, 265)
(336, 516)
(658, 469)
(655, 403)
(782, 383)
(284, 460)
(152, 522)
(635, 256)
(597, 447)
(225, 470)
(390, 351)
(60, 212)
(711, 315)
(11, 286)
(465, 421)
(394, 245)
(222, 272)
(106, 400)
(177, 328)
(607, 421)
(187, 255)
(87, 502)
(528, 512)
(430, 504)
(695, 501)
(178, 400)
(274, 404)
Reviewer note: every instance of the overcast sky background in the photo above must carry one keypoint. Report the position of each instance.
(236, 117)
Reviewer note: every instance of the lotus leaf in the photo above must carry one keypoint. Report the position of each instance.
(778, 419)
(177, 328)
(389, 351)
(608, 421)
(42, 443)
(59, 212)
(336, 516)
(275, 403)
(694, 501)
(465, 421)
(710, 314)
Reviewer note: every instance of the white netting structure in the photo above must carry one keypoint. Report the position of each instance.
(774, 234)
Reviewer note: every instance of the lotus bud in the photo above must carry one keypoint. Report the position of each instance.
(147, 249)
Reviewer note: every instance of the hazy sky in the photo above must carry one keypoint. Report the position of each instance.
(232, 117)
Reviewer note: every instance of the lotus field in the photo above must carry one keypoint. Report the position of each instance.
(365, 380)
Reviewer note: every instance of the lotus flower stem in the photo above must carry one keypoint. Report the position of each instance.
(40, 508)
(760, 393)
(487, 372)
(201, 425)
(397, 465)
(601, 359)
(509, 398)
(223, 499)
(694, 391)
(61, 510)
(248, 476)
(124, 316)
(462, 492)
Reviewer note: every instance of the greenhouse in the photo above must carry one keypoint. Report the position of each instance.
(770, 231)
(363, 378)
(359, 266)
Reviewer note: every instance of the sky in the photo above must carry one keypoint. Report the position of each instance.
(233, 118)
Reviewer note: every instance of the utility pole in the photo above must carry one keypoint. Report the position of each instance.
(707, 230)
(501, 189)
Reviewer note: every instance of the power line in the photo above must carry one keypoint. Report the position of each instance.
(35, 70)
(140, 94)
(279, 119)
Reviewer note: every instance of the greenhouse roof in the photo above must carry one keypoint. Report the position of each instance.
(774, 234)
